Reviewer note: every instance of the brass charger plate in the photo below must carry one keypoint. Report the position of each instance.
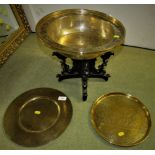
(120, 119)
(80, 33)
(37, 116)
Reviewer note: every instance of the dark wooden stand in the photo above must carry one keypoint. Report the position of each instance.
(83, 69)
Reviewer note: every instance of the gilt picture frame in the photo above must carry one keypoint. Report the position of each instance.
(8, 47)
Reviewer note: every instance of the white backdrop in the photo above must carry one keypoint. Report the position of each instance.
(139, 20)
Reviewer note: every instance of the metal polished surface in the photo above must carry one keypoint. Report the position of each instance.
(120, 119)
(80, 33)
(37, 116)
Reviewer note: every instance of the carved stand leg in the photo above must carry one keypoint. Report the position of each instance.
(83, 69)
(84, 87)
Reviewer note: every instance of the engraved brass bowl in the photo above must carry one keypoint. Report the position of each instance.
(37, 116)
(80, 33)
(120, 119)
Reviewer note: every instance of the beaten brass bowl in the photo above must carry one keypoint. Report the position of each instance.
(120, 119)
(37, 116)
(80, 33)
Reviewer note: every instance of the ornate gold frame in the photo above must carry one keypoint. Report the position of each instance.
(15, 39)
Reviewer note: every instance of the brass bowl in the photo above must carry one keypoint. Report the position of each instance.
(80, 33)
(121, 119)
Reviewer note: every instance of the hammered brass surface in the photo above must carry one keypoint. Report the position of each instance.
(80, 33)
(120, 119)
(37, 116)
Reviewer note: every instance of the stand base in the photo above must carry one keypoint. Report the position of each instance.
(83, 69)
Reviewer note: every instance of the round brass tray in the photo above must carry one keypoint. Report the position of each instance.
(80, 33)
(37, 116)
(120, 119)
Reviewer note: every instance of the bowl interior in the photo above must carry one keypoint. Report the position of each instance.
(80, 31)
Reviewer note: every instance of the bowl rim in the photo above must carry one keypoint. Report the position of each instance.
(81, 51)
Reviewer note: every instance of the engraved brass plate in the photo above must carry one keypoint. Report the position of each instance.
(80, 33)
(37, 116)
(120, 119)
